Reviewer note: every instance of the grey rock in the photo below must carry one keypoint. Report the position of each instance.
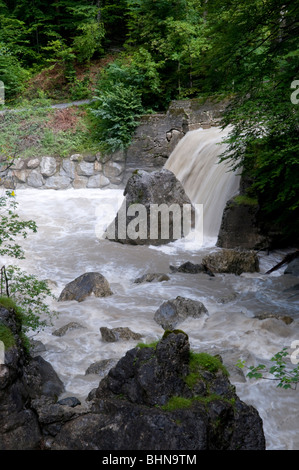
(35, 179)
(85, 169)
(191, 268)
(69, 401)
(232, 261)
(97, 181)
(41, 379)
(58, 182)
(85, 285)
(127, 409)
(151, 192)
(118, 334)
(152, 277)
(68, 327)
(100, 367)
(48, 166)
(33, 163)
(284, 318)
(173, 312)
(80, 182)
(114, 171)
(68, 169)
(241, 228)
(21, 175)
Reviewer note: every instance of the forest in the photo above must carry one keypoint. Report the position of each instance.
(145, 53)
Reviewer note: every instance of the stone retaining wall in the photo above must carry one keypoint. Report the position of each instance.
(78, 171)
(154, 140)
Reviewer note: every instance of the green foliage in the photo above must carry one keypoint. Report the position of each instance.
(88, 42)
(29, 132)
(6, 335)
(206, 361)
(118, 108)
(12, 227)
(247, 200)
(27, 295)
(246, 51)
(258, 67)
(31, 296)
(280, 371)
(147, 345)
(12, 74)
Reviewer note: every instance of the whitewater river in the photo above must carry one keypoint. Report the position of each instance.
(67, 245)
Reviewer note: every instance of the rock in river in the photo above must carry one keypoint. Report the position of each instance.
(85, 285)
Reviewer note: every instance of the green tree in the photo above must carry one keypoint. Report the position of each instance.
(117, 116)
(12, 227)
(254, 58)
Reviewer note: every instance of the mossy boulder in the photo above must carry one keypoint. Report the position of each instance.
(164, 397)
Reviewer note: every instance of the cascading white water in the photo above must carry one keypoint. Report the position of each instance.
(67, 244)
(195, 162)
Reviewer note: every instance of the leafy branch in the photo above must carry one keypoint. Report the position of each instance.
(11, 226)
(286, 377)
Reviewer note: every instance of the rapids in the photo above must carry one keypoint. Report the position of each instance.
(68, 243)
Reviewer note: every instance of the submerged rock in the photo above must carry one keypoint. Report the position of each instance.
(68, 327)
(85, 285)
(100, 367)
(152, 277)
(191, 268)
(173, 312)
(120, 333)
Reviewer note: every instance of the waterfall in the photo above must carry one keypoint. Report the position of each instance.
(195, 162)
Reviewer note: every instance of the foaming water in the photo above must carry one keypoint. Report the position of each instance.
(195, 162)
(68, 244)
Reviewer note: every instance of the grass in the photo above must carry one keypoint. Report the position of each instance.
(147, 345)
(181, 403)
(36, 131)
(6, 336)
(202, 361)
(246, 200)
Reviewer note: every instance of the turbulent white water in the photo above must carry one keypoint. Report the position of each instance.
(67, 245)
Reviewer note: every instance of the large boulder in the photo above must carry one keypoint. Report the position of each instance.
(232, 261)
(164, 397)
(157, 397)
(147, 197)
(85, 285)
(240, 226)
(22, 379)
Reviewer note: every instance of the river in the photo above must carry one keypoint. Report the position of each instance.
(67, 244)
